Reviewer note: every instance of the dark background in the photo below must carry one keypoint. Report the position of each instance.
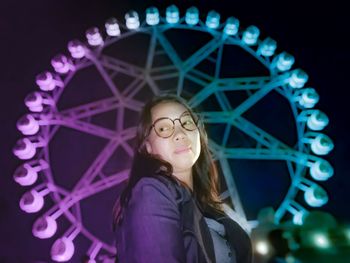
(32, 32)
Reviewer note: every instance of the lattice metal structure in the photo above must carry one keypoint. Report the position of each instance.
(137, 59)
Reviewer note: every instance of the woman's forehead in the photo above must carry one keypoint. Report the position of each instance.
(167, 109)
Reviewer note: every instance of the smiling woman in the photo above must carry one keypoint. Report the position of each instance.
(170, 210)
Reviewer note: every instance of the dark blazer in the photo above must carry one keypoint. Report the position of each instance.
(164, 223)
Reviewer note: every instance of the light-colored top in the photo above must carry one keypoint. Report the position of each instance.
(223, 252)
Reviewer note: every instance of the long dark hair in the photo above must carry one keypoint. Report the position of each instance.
(205, 175)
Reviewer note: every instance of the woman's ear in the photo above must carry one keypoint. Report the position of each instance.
(148, 147)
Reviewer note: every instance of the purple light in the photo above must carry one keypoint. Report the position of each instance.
(24, 149)
(45, 81)
(61, 64)
(76, 49)
(62, 250)
(34, 101)
(94, 37)
(31, 202)
(25, 175)
(44, 227)
(28, 125)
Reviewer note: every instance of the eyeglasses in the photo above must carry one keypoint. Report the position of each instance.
(165, 127)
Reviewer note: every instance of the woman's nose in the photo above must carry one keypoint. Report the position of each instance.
(179, 131)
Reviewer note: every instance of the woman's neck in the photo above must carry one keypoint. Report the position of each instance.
(185, 177)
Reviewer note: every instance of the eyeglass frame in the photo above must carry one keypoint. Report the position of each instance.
(196, 120)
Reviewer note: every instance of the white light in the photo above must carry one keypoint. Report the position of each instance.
(267, 47)
(62, 250)
(94, 37)
(321, 144)
(152, 16)
(251, 35)
(321, 170)
(298, 79)
(192, 16)
(321, 240)
(27, 125)
(213, 19)
(132, 20)
(31, 202)
(172, 14)
(262, 247)
(317, 120)
(112, 27)
(231, 26)
(76, 49)
(44, 227)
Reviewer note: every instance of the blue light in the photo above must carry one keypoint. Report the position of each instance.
(315, 196)
(213, 19)
(317, 120)
(152, 16)
(308, 98)
(284, 61)
(192, 16)
(298, 79)
(321, 144)
(267, 47)
(132, 20)
(251, 35)
(172, 14)
(231, 27)
(321, 170)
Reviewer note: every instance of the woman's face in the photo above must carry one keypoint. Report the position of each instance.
(183, 147)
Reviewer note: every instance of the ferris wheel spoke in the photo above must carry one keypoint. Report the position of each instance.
(85, 127)
(263, 84)
(168, 48)
(232, 188)
(202, 53)
(92, 108)
(97, 165)
(151, 52)
(121, 66)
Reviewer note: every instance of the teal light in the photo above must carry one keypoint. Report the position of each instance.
(251, 35)
(284, 61)
(213, 19)
(172, 14)
(298, 217)
(315, 196)
(267, 47)
(192, 16)
(298, 79)
(132, 20)
(321, 170)
(317, 120)
(152, 16)
(309, 97)
(231, 26)
(321, 144)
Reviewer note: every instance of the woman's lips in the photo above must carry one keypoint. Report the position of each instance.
(183, 150)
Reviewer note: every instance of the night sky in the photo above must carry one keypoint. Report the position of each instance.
(32, 32)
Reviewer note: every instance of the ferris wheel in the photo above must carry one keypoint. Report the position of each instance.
(78, 136)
